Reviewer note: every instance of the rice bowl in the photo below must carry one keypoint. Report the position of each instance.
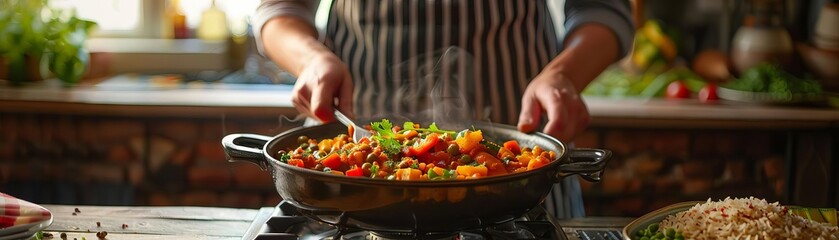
(746, 218)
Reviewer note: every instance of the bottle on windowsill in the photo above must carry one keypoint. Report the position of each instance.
(174, 21)
(213, 24)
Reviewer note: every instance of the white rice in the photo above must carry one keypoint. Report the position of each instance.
(746, 218)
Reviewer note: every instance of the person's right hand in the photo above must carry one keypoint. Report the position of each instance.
(323, 80)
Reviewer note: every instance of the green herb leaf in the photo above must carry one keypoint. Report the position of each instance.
(374, 170)
(493, 147)
(433, 127)
(390, 146)
(389, 164)
(383, 128)
(415, 166)
(408, 126)
(285, 157)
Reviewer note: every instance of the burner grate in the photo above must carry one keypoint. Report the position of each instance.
(285, 222)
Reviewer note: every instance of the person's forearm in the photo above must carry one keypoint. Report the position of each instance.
(588, 51)
(291, 42)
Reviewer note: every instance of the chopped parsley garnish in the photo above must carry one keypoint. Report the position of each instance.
(284, 157)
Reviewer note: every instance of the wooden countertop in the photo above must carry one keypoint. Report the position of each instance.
(201, 100)
(170, 222)
(150, 222)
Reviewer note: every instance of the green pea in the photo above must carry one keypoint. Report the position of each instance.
(659, 235)
(302, 139)
(453, 149)
(670, 232)
(372, 157)
(465, 159)
(653, 227)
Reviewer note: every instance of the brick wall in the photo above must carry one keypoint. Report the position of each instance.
(654, 168)
(129, 161)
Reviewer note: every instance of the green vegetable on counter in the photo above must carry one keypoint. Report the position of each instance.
(654, 232)
(771, 79)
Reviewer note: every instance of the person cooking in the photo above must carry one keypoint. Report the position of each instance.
(510, 66)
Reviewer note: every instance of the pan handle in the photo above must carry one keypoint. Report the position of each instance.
(587, 162)
(246, 147)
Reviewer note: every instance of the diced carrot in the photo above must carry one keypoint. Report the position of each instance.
(466, 170)
(513, 146)
(537, 163)
(469, 141)
(504, 152)
(438, 170)
(332, 161)
(495, 166)
(408, 174)
(356, 158)
(524, 158)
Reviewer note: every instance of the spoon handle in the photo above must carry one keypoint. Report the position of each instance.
(344, 119)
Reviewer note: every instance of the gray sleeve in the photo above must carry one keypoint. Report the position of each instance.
(269, 9)
(615, 14)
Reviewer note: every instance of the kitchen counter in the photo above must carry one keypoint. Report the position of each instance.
(121, 97)
(203, 222)
(150, 222)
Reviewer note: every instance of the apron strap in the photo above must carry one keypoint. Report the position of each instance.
(322, 18)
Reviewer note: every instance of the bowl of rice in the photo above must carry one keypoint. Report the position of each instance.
(732, 218)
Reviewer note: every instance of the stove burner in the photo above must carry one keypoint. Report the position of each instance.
(285, 222)
(397, 236)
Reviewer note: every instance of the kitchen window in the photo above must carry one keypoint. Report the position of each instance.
(143, 18)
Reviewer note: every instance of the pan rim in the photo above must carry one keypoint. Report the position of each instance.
(551, 168)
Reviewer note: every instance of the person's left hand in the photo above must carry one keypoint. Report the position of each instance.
(554, 94)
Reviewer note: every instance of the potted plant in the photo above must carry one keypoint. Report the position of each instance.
(35, 38)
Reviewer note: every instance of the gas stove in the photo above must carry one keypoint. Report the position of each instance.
(284, 222)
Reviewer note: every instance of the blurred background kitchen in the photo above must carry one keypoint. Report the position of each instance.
(124, 102)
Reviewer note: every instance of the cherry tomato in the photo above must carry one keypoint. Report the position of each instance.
(677, 90)
(708, 93)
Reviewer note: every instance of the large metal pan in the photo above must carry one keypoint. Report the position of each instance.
(414, 206)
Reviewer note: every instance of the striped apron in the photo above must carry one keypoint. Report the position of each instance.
(443, 60)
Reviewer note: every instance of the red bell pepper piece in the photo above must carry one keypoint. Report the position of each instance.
(296, 162)
(429, 142)
(355, 172)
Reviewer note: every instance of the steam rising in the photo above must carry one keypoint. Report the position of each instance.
(442, 93)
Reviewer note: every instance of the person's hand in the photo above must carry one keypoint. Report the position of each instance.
(323, 80)
(554, 94)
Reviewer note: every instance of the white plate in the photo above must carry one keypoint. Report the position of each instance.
(24, 231)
